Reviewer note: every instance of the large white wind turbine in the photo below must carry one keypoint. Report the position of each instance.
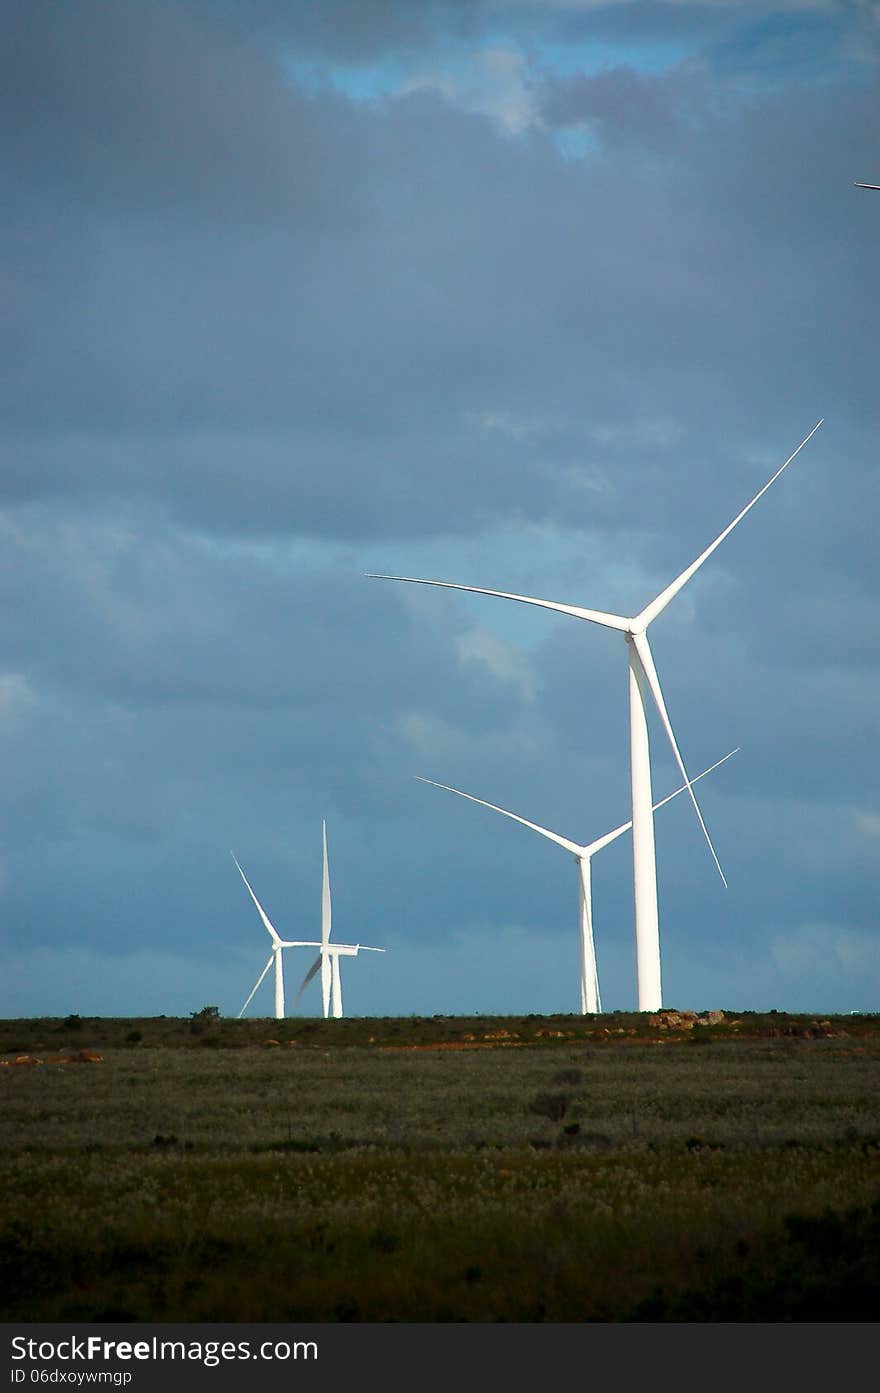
(329, 953)
(278, 944)
(591, 1002)
(642, 678)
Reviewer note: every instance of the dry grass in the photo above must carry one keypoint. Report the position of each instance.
(559, 1180)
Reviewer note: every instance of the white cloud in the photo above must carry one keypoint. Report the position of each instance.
(492, 82)
(503, 661)
(16, 697)
(868, 825)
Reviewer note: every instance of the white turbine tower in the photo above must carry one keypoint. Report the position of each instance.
(642, 678)
(591, 1002)
(278, 944)
(330, 953)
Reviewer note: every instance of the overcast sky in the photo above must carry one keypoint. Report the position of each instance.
(532, 296)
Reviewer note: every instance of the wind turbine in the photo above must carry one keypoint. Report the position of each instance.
(642, 678)
(278, 944)
(867, 186)
(591, 1002)
(328, 957)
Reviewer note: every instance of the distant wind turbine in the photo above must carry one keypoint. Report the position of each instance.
(328, 957)
(278, 944)
(642, 678)
(591, 1002)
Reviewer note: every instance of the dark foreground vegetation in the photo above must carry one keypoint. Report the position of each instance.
(665, 1167)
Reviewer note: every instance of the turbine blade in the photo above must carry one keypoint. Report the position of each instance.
(307, 979)
(619, 831)
(326, 916)
(643, 650)
(263, 915)
(868, 186)
(256, 984)
(544, 832)
(610, 621)
(657, 606)
(351, 950)
(696, 779)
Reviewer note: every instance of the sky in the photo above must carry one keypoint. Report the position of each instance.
(530, 296)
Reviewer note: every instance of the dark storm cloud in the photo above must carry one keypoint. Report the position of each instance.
(150, 110)
(625, 108)
(365, 31)
(260, 334)
(344, 294)
(354, 30)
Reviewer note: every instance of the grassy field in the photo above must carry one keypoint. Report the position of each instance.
(609, 1168)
